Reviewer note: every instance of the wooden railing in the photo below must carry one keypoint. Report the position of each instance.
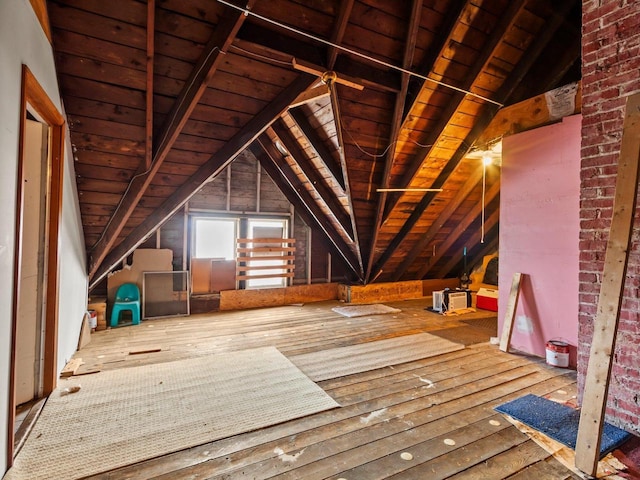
(253, 252)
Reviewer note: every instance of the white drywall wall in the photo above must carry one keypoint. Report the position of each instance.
(22, 41)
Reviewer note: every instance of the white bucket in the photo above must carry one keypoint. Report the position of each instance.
(558, 353)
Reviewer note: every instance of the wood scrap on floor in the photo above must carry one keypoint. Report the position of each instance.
(608, 467)
(459, 311)
(71, 367)
(149, 350)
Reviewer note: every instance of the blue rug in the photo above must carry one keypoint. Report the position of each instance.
(558, 421)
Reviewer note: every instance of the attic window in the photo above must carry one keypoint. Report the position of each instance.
(214, 238)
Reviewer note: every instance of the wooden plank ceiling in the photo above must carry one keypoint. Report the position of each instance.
(162, 95)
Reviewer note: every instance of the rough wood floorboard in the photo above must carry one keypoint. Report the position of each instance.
(412, 407)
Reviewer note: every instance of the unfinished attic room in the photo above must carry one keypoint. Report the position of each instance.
(319, 239)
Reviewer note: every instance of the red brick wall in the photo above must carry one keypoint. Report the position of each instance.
(610, 72)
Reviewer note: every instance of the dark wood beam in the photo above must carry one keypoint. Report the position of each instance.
(489, 111)
(319, 184)
(151, 16)
(311, 95)
(396, 124)
(452, 206)
(338, 31)
(335, 107)
(214, 165)
(505, 22)
(289, 183)
(453, 15)
(191, 93)
(473, 240)
(318, 145)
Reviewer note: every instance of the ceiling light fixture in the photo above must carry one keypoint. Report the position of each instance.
(280, 147)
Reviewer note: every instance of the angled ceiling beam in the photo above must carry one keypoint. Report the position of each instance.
(309, 170)
(464, 191)
(311, 95)
(317, 144)
(151, 20)
(396, 124)
(473, 240)
(442, 38)
(338, 31)
(191, 93)
(289, 183)
(214, 165)
(504, 24)
(335, 107)
(462, 227)
(490, 110)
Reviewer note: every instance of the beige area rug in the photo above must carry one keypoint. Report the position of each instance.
(125, 416)
(364, 310)
(342, 361)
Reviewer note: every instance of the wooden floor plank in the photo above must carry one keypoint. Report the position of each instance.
(548, 469)
(408, 407)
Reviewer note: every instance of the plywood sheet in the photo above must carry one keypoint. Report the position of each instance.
(382, 292)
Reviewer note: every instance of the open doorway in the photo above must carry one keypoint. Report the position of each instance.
(35, 292)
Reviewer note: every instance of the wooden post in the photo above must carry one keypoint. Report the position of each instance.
(605, 324)
(507, 327)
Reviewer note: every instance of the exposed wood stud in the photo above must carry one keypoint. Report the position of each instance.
(605, 324)
(151, 15)
(510, 312)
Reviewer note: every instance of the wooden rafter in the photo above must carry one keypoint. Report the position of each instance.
(335, 107)
(318, 183)
(211, 168)
(317, 144)
(614, 272)
(315, 93)
(338, 31)
(454, 203)
(443, 37)
(490, 110)
(288, 182)
(453, 104)
(396, 124)
(462, 227)
(151, 16)
(191, 93)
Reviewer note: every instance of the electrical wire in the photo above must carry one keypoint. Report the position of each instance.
(248, 12)
(484, 183)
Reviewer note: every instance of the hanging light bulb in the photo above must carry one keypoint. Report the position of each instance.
(486, 159)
